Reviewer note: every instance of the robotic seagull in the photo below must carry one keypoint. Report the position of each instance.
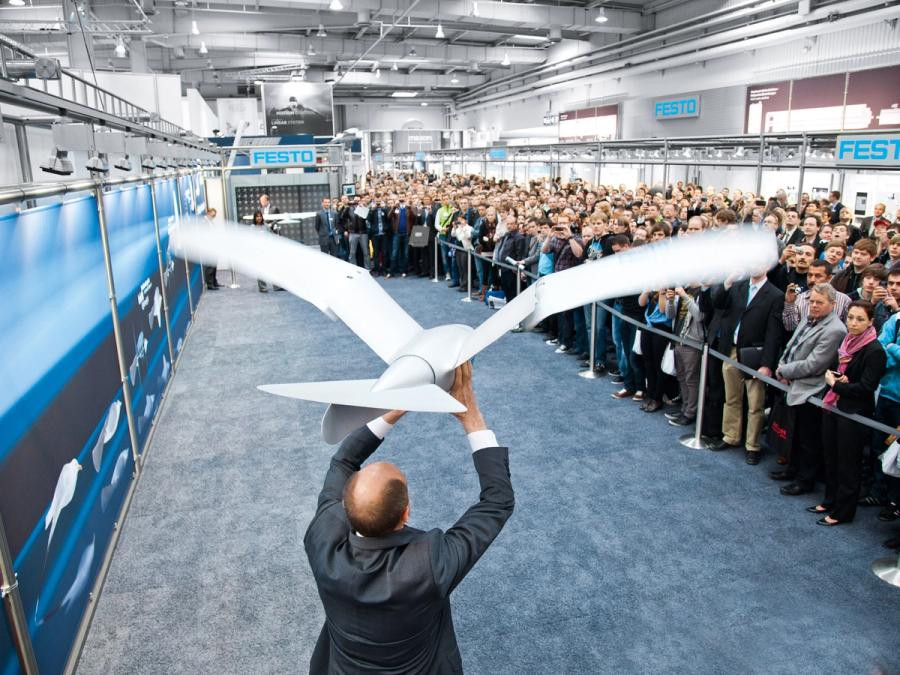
(421, 361)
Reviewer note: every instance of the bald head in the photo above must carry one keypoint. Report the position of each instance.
(376, 500)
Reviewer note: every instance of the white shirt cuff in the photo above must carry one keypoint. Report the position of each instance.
(479, 440)
(379, 427)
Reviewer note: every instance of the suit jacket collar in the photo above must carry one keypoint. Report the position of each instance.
(393, 540)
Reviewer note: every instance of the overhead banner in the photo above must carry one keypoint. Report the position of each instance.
(868, 99)
(139, 293)
(589, 124)
(65, 451)
(298, 108)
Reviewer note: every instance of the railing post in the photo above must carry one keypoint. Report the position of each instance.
(15, 614)
(468, 297)
(590, 374)
(437, 245)
(693, 440)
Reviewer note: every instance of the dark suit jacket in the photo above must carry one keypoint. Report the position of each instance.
(796, 236)
(373, 221)
(512, 245)
(387, 599)
(322, 225)
(760, 321)
(864, 375)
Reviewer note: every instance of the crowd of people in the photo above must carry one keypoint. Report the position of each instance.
(822, 322)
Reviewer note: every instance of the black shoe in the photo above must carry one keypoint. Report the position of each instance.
(540, 329)
(818, 508)
(583, 356)
(461, 290)
(681, 421)
(822, 521)
(652, 406)
(217, 284)
(212, 288)
(795, 489)
(615, 379)
(889, 513)
(783, 474)
(893, 543)
(673, 415)
(600, 369)
(720, 444)
(752, 457)
(615, 372)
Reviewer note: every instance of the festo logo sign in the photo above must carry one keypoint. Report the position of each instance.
(868, 150)
(289, 155)
(677, 108)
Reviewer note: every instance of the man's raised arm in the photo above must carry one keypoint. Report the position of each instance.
(463, 544)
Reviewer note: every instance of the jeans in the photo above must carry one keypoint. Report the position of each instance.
(359, 241)
(448, 257)
(629, 365)
(398, 253)
(581, 329)
(599, 333)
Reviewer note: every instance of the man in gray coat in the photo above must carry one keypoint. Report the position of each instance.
(802, 367)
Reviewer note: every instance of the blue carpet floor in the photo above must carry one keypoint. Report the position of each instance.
(627, 553)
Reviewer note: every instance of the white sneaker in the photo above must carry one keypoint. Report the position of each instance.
(446, 277)
(403, 275)
(562, 349)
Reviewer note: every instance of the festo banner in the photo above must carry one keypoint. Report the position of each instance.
(283, 156)
(868, 150)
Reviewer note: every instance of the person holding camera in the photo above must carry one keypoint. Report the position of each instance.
(568, 252)
(380, 233)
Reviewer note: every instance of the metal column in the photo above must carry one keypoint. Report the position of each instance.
(15, 614)
(803, 146)
(117, 331)
(759, 165)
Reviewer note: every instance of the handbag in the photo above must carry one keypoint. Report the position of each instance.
(636, 347)
(419, 236)
(890, 460)
(667, 365)
(780, 431)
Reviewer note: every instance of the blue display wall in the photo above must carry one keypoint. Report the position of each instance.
(66, 452)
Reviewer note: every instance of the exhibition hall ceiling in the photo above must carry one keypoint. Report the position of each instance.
(444, 51)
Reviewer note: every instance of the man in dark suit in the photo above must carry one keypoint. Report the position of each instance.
(327, 228)
(792, 233)
(266, 207)
(386, 586)
(380, 236)
(835, 206)
(511, 245)
(752, 322)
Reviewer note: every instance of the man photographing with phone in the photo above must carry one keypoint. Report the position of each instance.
(386, 586)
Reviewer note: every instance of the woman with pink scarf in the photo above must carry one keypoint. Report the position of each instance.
(853, 381)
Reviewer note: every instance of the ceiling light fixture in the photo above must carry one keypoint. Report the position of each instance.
(601, 16)
(394, 67)
(505, 61)
(17, 3)
(120, 48)
(454, 80)
(440, 32)
(203, 49)
(404, 94)
(311, 51)
(424, 104)
(321, 32)
(195, 30)
(336, 6)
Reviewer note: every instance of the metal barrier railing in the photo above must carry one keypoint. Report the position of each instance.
(887, 569)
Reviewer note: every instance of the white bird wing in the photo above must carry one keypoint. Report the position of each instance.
(340, 290)
(359, 394)
(710, 257)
